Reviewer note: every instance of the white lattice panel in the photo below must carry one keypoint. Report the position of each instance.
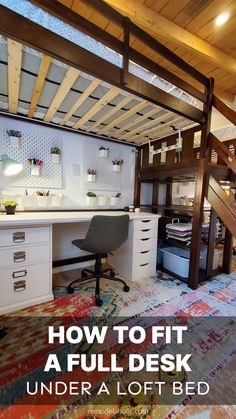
(33, 145)
(106, 179)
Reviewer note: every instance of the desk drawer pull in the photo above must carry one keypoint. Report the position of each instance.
(146, 221)
(19, 286)
(144, 240)
(145, 264)
(19, 257)
(19, 274)
(145, 251)
(19, 237)
(147, 229)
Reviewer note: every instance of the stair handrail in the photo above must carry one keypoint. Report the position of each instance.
(228, 112)
(223, 152)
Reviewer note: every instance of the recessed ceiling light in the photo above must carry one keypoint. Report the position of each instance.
(221, 19)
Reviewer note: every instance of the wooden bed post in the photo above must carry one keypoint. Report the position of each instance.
(201, 183)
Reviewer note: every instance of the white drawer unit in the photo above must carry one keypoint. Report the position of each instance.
(27, 235)
(25, 267)
(136, 258)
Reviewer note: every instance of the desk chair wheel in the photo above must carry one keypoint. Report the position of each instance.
(126, 288)
(70, 290)
(112, 273)
(99, 302)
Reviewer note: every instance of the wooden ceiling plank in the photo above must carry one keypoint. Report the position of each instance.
(127, 114)
(156, 24)
(70, 78)
(15, 53)
(138, 120)
(113, 111)
(44, 66)
(113, 92)
(148, 124)
(90, 89)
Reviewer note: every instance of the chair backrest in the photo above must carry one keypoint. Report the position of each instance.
(106, 233)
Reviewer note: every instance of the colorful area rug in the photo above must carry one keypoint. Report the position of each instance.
(161, 295)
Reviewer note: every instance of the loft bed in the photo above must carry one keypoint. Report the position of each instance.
(129, 102)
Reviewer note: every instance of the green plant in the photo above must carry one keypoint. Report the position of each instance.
(118, 162)
(13, 133)
(103, 148)
(9, 203)
(91, 194)
(55, 150)
(91, 172)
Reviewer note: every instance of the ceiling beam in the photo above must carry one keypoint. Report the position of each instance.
(113, 111)
(123, 117)
(15, 52)
(44, 66)
(156, 24)
(113, 92)
(70, 78)
(88, 91)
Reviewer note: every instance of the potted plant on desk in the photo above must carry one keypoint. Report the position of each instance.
(91, 199)
(10, 207)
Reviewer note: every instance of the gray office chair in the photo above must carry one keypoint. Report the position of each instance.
(105, 234)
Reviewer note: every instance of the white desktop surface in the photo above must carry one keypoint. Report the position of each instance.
(55, 217)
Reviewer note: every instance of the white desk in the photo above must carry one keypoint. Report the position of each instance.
(26, 253)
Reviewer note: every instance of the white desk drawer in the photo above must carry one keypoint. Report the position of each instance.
(21, 236)
(145, 233)
(146, 223)
(23, 255)
(143, 257)
(145, 244)
(17, 285)
(144, 270)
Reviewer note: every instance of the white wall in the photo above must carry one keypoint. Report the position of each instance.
(72, 158)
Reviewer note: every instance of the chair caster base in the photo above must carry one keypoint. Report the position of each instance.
(112, 273)
(99, 302)
(126, 288)
(84, 274)
(70, 290)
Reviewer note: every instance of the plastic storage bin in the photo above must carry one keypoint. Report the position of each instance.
(176, 260)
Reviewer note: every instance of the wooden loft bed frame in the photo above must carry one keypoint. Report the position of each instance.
(202, 169)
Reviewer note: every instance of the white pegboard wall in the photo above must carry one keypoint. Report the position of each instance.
(33, 145)
(106, 178)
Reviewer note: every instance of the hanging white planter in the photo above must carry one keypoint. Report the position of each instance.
(103, 153)
(114, 201)
(91, 201)
(35, 170)
(91, 178)
(14, 141)
(57, 200)
(116, 168)
(102, 200)
(55, 158)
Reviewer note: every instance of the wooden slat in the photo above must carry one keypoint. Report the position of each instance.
(65, 86)
(148, 125)
(229, 113)
(123, 117)
(159, 128)
(113, 92)
(113, 111)
(44, 66)
(90, 89)
(15, 52)
(163, 134)
(137, 121)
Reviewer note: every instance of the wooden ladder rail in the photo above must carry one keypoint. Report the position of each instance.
(224, 153)
(228, 112)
